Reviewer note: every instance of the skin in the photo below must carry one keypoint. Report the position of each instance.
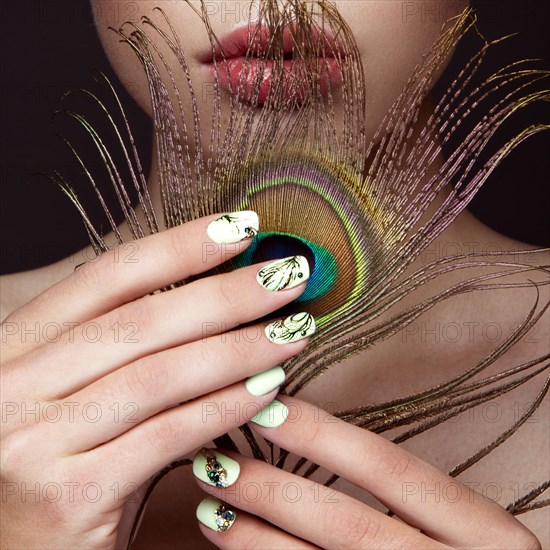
(353, 525)
(379, 27)
(151, 374)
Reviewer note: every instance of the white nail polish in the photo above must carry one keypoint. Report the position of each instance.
(293, 328)
(284, 274)
(265, 381)
(234, 227)
(272, 415)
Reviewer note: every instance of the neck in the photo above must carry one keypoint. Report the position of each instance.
(466, 234)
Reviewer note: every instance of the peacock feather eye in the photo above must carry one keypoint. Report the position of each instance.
(294, 150)
(311, 206)
(359, 212)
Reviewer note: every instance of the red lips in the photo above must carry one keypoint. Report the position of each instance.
(248, 70)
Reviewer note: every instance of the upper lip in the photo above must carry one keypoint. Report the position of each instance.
(235, 44)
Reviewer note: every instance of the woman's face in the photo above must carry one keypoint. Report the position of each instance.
(391, 37)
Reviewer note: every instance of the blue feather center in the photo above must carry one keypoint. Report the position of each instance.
(273, 245)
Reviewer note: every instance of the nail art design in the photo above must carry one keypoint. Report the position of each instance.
(284, 274)
(225, 518)
(214, 468)
(215, 514)
(234, 227)
(293, 328)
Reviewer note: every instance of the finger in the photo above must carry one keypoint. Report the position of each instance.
(141, 452)
(247, 531)
(455, 514)
(137, 391)
(205, 307)
(127, 272)
(312, 512)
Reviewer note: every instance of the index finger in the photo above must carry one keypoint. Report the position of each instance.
(386, 470)
(137, 268)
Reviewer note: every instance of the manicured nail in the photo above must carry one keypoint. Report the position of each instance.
(215, 514)
(234, 227)
(293, 328)
(272, 415)
(212, 467)
(283, 274)
(265, 381)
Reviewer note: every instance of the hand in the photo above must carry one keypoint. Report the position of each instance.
(282, 510)
(104, 384)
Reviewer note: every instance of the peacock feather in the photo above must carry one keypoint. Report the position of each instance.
(360, 212)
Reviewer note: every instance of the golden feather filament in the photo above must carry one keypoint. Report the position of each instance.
(360, 211)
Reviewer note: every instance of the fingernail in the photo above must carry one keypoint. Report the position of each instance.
(212, 467)
(272, 415)
(293, 328)
(215, 514)
(265, 381)
(284, 274)
(234, 227)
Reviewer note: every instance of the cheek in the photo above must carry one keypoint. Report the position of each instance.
(392, 37)
(113, 13)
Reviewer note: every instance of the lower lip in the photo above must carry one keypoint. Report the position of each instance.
(241, 77)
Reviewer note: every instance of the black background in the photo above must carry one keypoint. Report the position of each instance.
(51, 46)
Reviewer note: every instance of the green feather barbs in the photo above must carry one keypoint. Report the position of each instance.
(360, 212)
(320, 217)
